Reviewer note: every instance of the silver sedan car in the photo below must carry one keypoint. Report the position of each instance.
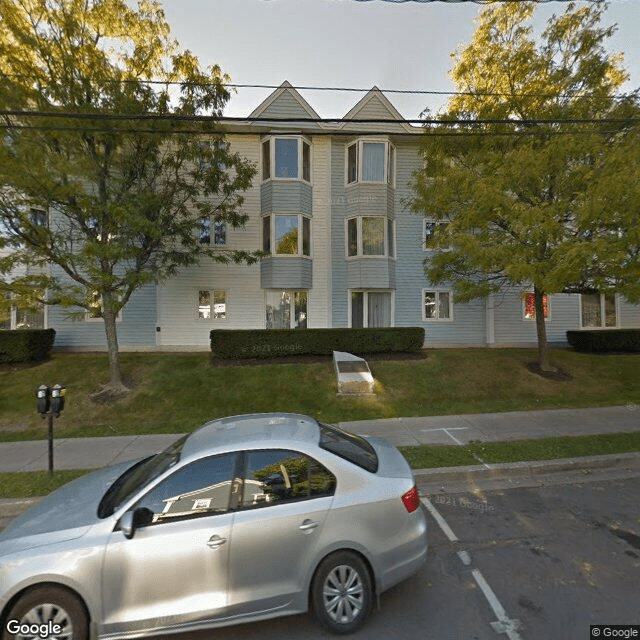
(247, 518)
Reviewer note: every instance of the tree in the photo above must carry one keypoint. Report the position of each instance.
(111, 155)
(521, 165)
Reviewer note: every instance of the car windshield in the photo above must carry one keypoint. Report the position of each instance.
(349, 446)
(138, 476)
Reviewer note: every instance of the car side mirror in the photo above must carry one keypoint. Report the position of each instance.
(132, 520)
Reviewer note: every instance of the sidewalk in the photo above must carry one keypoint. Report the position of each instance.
(86, 453)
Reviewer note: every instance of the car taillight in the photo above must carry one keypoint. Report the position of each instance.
(411, 500)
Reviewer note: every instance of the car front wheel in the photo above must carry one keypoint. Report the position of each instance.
(46, 612)
(342, 593)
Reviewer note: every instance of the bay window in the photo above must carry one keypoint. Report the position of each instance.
(286, 234)
(370, 309)
(286, 309)
(369, 236)
(370, 161)
(286, 158)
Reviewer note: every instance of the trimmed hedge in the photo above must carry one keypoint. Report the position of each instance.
(273, 343)
(25, 345)
(605, 340)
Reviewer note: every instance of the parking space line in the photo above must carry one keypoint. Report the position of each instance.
(442, 523)
(504, 624)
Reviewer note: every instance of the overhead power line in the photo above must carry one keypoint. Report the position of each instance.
(320, 132)
(176, 117)
(409, 92)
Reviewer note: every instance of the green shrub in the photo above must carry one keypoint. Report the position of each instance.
(26, 345)
(273, 343)
(605, 340)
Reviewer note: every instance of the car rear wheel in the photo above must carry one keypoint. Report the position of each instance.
(341, 592)
(49, 612)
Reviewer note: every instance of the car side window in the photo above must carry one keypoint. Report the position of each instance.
(277, 476)
(202, 488)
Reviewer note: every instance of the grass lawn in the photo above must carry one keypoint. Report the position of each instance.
(178, 392)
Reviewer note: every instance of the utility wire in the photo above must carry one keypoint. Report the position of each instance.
(319, 132)
(177, 117)
(416, 92)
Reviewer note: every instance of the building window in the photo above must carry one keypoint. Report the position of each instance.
(286, 158)
(219, 232)
(38, 217)
(529, 305)
(598, 310)
(286, 309)
(291, 234)
(369, 236)
(95, 310)
(370, 309)
(428, 231)
(370, 161)
(437, 305)
(212, 304)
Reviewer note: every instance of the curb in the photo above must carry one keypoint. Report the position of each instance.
(11, 507)
(529, 468)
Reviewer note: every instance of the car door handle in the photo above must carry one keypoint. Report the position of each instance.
(308, 525)
(215, 542)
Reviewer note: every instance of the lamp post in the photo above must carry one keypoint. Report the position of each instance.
(50, 401)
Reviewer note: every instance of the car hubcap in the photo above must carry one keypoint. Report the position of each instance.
(48, 619)
(343, 594)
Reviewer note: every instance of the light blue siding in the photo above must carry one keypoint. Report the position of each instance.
(136, 328)
(285, 196)
(286, 273)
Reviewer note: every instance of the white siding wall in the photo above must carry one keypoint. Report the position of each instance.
(320, 296)
(178, 298)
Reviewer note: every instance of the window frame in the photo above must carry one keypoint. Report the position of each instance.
(209, 223)
(603, 317)
(389, 157)
(268, 161)
(292, 307)
(437, 293)
(212, 304)
(435, 222)
(89, 318)
(546, 302)
(271, 217)
(389, 224)
(365, 305)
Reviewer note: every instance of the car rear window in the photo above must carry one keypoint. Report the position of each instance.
(349, 446)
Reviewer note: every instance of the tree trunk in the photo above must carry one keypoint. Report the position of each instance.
(541, 329)
(116, 383)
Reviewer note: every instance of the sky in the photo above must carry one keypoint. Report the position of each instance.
(345, 43)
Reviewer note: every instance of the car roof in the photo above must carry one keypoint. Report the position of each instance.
(252, 431)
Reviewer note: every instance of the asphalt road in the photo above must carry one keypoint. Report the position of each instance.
(535, 562)
(541, 563)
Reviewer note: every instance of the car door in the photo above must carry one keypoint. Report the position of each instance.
(174, 570)
(277, 529)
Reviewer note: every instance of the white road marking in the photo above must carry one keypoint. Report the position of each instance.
(504, 624)
(442, 523)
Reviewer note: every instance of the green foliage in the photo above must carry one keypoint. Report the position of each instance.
(94, 179)
(273, 343)
(605, 340)
(26, 345)
(530, 202)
